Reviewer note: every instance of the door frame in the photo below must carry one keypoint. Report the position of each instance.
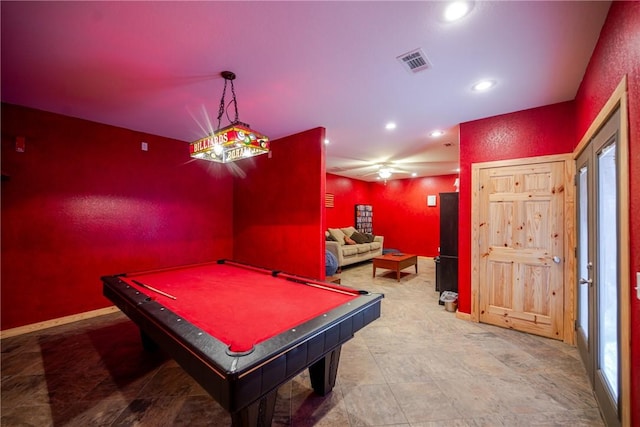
(618, 99)
(569, 234)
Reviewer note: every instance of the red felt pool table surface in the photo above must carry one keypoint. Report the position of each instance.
(240, 306)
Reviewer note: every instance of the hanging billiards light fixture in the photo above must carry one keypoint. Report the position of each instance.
(236, 141)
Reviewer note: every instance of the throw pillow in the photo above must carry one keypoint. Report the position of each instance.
(330, 238)
(359, 237)
(348, 231)
(338, 234)
(348, 241)
(370, 237)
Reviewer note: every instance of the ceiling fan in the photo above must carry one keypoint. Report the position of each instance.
(423, 163)
(363, 169)
(386, 169)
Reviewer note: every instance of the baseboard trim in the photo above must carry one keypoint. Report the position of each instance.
(56, 322)
(463, 316)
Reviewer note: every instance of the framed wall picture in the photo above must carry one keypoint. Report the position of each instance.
(431, 200)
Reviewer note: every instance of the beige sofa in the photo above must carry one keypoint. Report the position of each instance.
(346, 253)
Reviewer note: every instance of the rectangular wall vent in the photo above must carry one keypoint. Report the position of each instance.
(414, 61)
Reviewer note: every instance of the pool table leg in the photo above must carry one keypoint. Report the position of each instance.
(259, 413)
(147, 343)
(323, 372)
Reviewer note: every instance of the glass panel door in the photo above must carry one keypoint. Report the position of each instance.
(584, 257)
(598, 240)
(607, 284)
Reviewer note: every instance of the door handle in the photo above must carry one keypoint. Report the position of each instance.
(556, 259)
(585, 281)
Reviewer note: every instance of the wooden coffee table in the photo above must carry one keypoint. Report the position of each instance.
(395, 261)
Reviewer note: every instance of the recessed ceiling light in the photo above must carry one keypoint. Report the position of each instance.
(326, 142)
(414, 174)
(436, 133)
(390, 126)
(483, 85)
(456, 10)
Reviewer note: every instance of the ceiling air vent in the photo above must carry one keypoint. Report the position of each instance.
(414, 61)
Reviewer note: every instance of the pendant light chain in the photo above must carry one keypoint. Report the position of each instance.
(235, 101)
(221, 108)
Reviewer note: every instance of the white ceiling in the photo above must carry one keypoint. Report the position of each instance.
(155, 67)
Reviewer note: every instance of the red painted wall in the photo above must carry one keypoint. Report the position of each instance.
(279, 207)
(402, 216)
(616, 54)
(347, 193)
(84, 201)
(400, 211)
(536, 132)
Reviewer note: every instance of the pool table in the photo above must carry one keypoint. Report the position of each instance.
(242, 331)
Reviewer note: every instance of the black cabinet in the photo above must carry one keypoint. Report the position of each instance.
(449, 224)
(447, 265)
(438, 273)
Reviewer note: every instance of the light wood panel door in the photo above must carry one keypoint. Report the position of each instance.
(521, 247)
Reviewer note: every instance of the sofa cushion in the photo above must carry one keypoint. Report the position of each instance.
(337, 234)
(359, 237)
(348, 230)
(349, 250)
(375, 245)
(330, 238)
(363, 248)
